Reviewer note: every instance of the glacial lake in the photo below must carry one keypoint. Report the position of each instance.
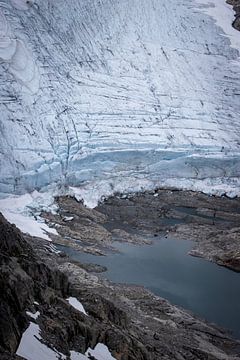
(208, 290)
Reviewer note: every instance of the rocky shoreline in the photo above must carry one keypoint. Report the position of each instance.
(131, 321)
(212, 223)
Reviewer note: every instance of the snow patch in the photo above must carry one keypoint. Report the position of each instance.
(77, 356)
(31, 347)
(33, 315)
(100, 352)
(76, 304)
(68, 218)
(19, 211)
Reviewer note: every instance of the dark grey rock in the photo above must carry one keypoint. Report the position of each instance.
(236, 8)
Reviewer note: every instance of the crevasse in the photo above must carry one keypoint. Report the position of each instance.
(108, 95)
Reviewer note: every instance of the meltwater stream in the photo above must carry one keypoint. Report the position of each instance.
(208, 290)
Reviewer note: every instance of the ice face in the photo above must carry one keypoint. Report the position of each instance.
(99, 91)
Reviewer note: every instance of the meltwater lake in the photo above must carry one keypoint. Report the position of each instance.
(208, 290)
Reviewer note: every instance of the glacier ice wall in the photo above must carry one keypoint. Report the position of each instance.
(104, 89)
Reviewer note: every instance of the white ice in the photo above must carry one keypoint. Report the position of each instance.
(68, 218)
(31, 346)
(22, 4)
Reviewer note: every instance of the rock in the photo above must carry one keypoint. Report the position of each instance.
(211, 222)
(124, 236)
(11, 240)
(132, 322)
(91, 268)
(236, 8)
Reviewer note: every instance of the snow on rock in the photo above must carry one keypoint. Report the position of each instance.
(18, 210)
(31, 347)
(33, 315)
(76, 304)
(68, 218)
(19, 60)
(100, 352)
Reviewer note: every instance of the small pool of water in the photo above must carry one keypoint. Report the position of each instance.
(209, 291)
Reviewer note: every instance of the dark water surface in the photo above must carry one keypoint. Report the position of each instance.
(208, 290)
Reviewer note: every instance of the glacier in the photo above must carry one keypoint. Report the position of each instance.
(103, 96)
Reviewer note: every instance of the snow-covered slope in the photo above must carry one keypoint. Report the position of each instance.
(102, 91)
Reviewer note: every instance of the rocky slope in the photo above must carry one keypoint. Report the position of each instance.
(133, 323)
